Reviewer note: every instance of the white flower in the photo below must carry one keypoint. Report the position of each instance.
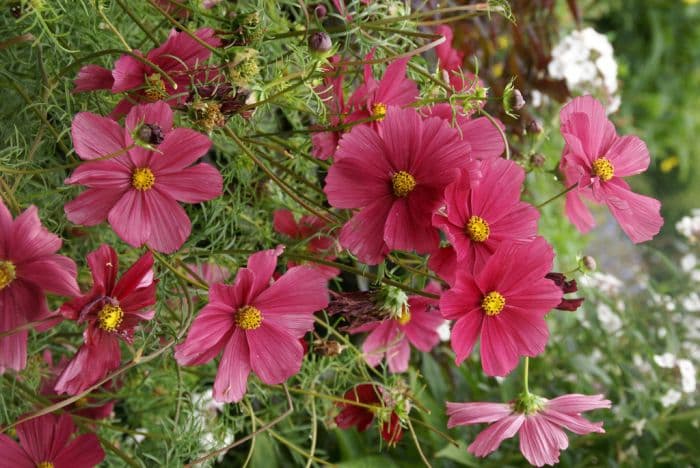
(691, 303)
(688, 383)
(444, 331)
(607, 284)
(688, 262)
(608, 319)
(665, 360)
(638, 426)
(689, 226)
(670, 398)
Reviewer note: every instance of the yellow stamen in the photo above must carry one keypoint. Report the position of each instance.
(142, 179)
(110, 317)
(603, 168)
(7, 273)
(403, 183)
(405, 316)
(155, 88)
(478, 229)
(493, 303)
(44, 464)
(248, 318)
(378, 111)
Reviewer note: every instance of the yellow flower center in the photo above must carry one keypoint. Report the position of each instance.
(405, 316)
(7, 273)
(603, 168)
(44, 464)
(493, 303)
(142, 179)
(110, 317)
(403, 183)
(209, 116)
(248, 318)
(155, 88)
(478, 229)
(378, 111)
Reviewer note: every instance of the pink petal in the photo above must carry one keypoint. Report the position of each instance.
(444, 263)
(95, 136)
(541, 441)
(395, 88)
(408, 226)
(92, 206)
(572, 422)
(598, 134)
(629, 156)
(499, 352)
(170, 226)
(461, 299)
(341, 188)
(53, 273)
(324, 144)
(185, 52)
(28, 239)
(199, 183)
(13, 313)
(378, 340)
(93, 361)
(519, 224)
(465, 333)
(490, 438)
(275, 354)
(262, 264)
(284, 223)
(398, 354)
(139, 275)
(528, 331)
(462, 414)
(13, 454)
(157, 113)
(492, 204)
(291, 301)
(180, 148)
(109, 174)
(130, 218)
(440, 154)
(84, 450)
(128, 73)
(485, 140)
(363, 235)
(639, 216)
(211, 330)
(104, 265)
(579, 215)
(92, 77)
(577, 403)
(232, 376)
(421, 330)
(539, 296)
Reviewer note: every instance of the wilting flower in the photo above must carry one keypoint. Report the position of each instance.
(481, 216)
(404, 170)
(361, 417)
(538, 421)
(566, 286)
(504, 304)
(449, 58)
(29, 266)
(308, 227)
(373, 98)
(597, 159)
(138, 190)
(256, 323)
(413, 323)
(180, 57)
(45, 442)
(112, 309)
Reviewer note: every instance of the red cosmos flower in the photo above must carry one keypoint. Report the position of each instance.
(390, 339)
(45, 442)
(597, 159)
(257, 325)
(308, 227)
(112, 309)
(403, 170)
(179, 57)
(138, 190)
(481, 216)
(373, 98)
(361, 417)
(539, 423)
(449, 58)
(504, 303)
(29, 266)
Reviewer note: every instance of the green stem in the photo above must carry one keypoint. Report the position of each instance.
(526, 371)
(138, 22)
(568, 189)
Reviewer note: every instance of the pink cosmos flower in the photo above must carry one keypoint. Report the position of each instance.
(138, 190)
(597, 159)
(256, 323)
(324, 144)
(373, 98)
(504, 303)
(404, 170)
(46, 441)
(361, 417)
(29, 267)
(540, 427)
(180, 57)
(481, 216)
(112, 309)
(443, 262)
(390, 339)
(308, 227)
(449, 58)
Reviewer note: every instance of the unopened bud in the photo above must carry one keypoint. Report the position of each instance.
(151, 134)
(518, 100)
(320, 11)
(538, 159)
(535, 126)
(588, 263)
(320, 42)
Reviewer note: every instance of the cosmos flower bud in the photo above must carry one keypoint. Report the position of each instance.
(151, 134)
(320, 42)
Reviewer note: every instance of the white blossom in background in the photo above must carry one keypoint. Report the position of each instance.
(607, 284)
(691, 302)
(689, 226)
(665, 360)
(444, 331)
(585, 60)
(610, 321)
(670, 398)
(206, 410)
(688, 382)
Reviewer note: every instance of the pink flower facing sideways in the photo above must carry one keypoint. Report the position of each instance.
(504, 304)
(538, 421)
(402, 172)
(111, 309)
(46, 442)
(180, 57)
(29, 267)
(597, 159)
(138, 190)
(256, 323)
(415, 323)
(482, 215)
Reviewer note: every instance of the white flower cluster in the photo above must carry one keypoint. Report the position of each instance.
(689, 226)
(585, 60)
(206, 412)
(688, 380)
